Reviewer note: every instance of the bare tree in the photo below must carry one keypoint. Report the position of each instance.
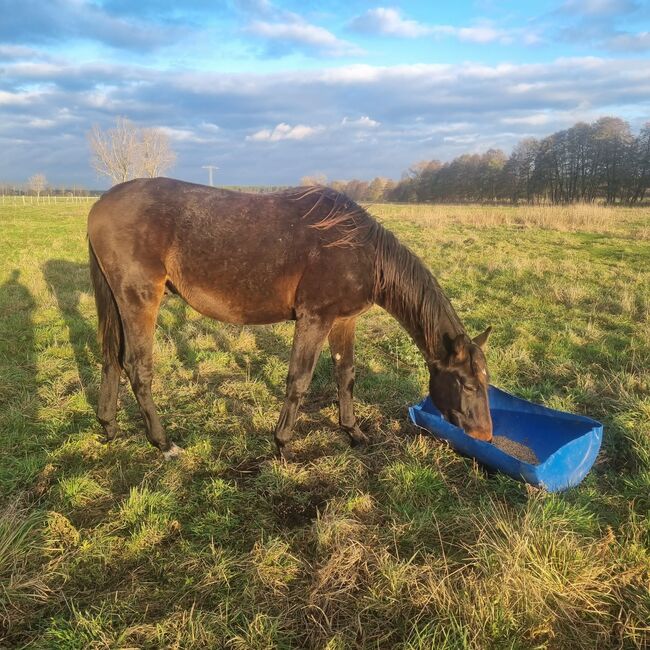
(125, 151)
(37, 183)
(115, 152)
(156, 155)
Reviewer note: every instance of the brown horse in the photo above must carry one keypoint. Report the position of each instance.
(307, 254)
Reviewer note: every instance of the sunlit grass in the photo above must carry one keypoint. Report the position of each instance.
(402, 545)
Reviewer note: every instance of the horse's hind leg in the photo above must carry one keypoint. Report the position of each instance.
(308, 339)
(139, 310)
(341, 340)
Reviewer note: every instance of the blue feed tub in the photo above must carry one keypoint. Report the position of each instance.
(565, 444)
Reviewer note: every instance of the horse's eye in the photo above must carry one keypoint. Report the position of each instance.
(468, 389)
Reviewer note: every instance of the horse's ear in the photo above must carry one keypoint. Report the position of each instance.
(481, 339)
(456, 347)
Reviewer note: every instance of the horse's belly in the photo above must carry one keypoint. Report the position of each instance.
(240, 305)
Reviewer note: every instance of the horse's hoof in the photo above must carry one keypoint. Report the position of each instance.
(286, 455)
(108, 434)
(173, 452)
(357, 437)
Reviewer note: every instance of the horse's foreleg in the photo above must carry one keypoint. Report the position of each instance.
(341, 340)
(308, 340)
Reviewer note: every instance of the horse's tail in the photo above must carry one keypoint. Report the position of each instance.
(110, 330)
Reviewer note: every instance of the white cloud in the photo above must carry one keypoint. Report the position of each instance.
(536, 119)
(468, 138)
(363, 122)
(305, 34)
(626, 42)
(183, 135)
(389, 22)
(210, 127)
(31, 69)
(20, 52)
(483, 34)
(285, 30)
(384, 20)
(352, 74)
(41, 123)
(285, 132)
(21, 98)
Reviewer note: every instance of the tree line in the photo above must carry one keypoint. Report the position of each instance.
(601, 161)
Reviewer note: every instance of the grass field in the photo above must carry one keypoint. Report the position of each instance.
(402, 545)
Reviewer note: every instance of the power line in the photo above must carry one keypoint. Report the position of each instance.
(210, 168)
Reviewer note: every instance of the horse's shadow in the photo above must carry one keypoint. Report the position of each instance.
(19, 400)
(68, 281)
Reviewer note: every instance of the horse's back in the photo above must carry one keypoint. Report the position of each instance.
(234, 256)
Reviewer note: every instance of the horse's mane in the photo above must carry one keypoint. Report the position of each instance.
(402, 284)
(334, 211)
(408, 290)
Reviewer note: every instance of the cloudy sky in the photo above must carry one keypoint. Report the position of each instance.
(272, 90)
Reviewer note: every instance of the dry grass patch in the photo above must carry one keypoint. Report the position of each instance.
(274, 566)
(564, 218)
(22, 589)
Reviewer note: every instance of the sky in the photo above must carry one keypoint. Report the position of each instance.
(273, 90)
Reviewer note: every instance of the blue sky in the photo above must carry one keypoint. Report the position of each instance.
(273, 90)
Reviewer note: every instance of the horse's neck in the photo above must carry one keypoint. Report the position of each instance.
(408, 291)
(431, 344)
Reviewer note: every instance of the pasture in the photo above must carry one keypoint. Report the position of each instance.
(400, 545)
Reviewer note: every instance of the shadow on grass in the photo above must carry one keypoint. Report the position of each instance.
(380, 387)
(177, 331)
(19, 394)
(67, 281)
(267, 342)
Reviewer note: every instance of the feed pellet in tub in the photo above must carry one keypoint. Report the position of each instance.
(516, 449)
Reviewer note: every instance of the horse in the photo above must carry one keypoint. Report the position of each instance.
(308, 254)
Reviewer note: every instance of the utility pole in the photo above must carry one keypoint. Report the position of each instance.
(210, 168)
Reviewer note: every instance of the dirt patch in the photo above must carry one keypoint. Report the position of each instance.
(299, 509)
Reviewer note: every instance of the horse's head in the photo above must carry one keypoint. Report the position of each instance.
(458, 385)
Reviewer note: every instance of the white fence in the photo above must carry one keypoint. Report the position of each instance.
(13, 199)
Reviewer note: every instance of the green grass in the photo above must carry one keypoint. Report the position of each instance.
(402, 545)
